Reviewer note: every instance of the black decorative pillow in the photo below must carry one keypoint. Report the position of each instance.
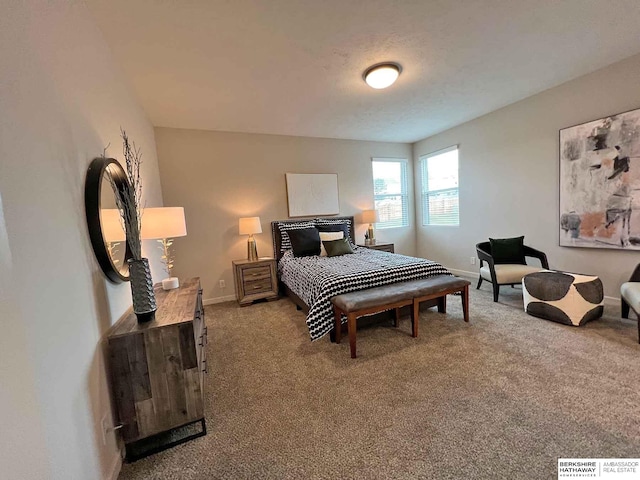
(335, 248)
(507, 250)
(333, 221)
(305, 242)
(285, 227)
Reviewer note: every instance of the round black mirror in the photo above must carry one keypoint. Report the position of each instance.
(106, 229)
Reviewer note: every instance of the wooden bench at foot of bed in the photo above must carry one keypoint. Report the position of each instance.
(393, 297)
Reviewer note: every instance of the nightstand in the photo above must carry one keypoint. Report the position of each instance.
(255, 280)
(385, 247)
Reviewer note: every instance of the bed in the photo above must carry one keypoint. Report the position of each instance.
(311, 281)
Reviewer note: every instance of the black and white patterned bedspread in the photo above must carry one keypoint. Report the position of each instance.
(316, 279)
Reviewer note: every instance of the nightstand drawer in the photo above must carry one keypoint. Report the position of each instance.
(257, 286)
(254, 274)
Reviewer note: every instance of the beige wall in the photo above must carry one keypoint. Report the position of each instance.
(509, 175)
(62, 101)
(218, 177)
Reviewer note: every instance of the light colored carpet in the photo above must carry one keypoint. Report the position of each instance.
(500, 398)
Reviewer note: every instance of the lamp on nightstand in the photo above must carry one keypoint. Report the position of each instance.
(250, 226)
(370, 217)
(164, 224)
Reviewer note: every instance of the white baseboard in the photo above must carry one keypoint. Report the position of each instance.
(211, 301)
(610, 301)
(463, 273)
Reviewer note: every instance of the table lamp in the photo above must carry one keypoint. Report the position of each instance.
(249, 226)
(370, 217)
(164, 224)
(112, 231)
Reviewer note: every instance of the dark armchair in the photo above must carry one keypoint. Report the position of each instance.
(630, 296)
(506, 273)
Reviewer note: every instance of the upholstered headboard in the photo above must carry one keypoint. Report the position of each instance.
(277, 234)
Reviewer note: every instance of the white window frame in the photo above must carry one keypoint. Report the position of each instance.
(404, 193)
(425, 187)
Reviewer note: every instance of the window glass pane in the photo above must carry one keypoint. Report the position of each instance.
(442, 207)
(387, 177)
(440, 192)
(390, 193)
(443, 170)
(392, 210)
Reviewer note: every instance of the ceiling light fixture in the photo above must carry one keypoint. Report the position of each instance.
(382, 75)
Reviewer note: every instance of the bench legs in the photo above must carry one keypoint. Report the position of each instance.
(337, 315)
(442, 305)
(351, 326)
(415, 315)
(465, 303)
(396, 317)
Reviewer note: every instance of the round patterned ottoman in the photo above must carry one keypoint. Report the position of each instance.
(562, 297)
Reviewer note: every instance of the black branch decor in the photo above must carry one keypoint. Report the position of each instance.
(129, 200)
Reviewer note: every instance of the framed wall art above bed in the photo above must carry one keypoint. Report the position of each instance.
(600, 183)
(311, 194)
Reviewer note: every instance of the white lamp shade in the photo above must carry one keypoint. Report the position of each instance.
(111, 225)
(249, 225)
(370, 216)
(163, 222)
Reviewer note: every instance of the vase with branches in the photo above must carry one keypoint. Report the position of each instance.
(128, 201)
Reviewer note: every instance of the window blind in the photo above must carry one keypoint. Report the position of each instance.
(440, 192)
(390, 192)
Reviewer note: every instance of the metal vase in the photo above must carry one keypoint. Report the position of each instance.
(252, 251)
(144, 298)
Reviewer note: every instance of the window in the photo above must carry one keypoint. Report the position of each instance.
(440, 205)
(390, 192)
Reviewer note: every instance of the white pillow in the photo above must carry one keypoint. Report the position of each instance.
(327, 236)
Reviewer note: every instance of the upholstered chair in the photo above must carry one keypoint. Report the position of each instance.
(630, 296)
(506, 273)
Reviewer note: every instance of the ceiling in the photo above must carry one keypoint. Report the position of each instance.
(294, 67)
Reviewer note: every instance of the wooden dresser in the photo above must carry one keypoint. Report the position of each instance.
(158, 371)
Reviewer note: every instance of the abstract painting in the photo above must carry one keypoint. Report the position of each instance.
(312, 194)
(600, 183)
